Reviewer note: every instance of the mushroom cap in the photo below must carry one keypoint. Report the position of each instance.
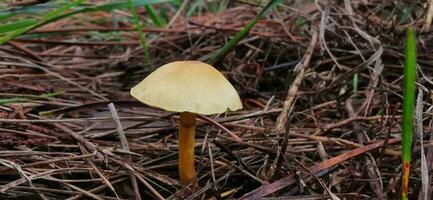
(188, 86)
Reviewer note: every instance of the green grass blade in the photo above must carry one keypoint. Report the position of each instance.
(110, 7)
(59, 14)
(48, 17)
(241, 34)
(29, 97)
(163, 12)
(139, 28)
(194, 7)
(17, 25)
(121, 5)
(34, 9)
(41, 8)
(408, 103)
(6, 17)
(61, 10)
(355, 84)
(157, 20)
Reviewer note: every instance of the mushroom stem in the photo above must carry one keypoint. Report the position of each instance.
(186, 147)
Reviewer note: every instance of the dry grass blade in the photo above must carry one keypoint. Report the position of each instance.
(103, 178)
(423, 195)
(429, 16)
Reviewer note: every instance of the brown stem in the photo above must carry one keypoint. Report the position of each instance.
(186, 147)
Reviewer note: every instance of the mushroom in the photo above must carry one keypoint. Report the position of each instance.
(190, 88)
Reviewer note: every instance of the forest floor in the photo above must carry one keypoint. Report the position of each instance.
(321, 85)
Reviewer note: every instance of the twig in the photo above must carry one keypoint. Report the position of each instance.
(291, 94)
(26, 50)
(124, 143)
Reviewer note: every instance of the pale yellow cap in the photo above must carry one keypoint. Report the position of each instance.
(188, 86)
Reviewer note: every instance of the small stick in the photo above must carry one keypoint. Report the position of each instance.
(212, 168)
(281, 125)
(124, 143)
(26, 50)
(287, 105)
